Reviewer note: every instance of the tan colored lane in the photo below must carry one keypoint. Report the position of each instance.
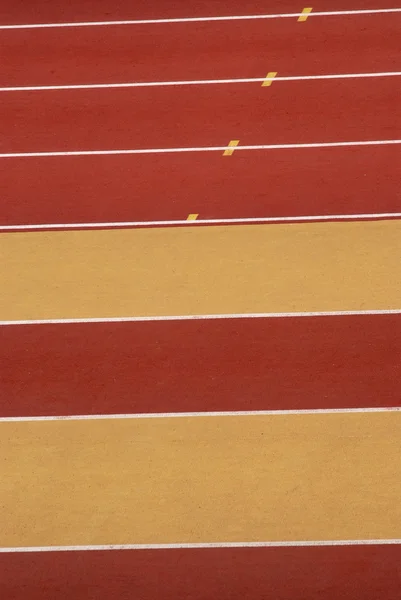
(201, 270)
(201, 479)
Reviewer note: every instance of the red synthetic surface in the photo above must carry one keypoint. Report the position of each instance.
(239, 364)
(329, 573)
(163, 187)
(310, 111)
(19, 11)
(201, 50)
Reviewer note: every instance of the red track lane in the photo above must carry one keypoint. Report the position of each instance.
(164, 187)
(241, 364)
(200, 51)
(309, 111)
(349, 573)
(40, 11)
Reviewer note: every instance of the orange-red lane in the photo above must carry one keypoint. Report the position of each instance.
(95, 10)
(162, 187)
(312, 573)
(239, 364)
(310, 111)
(221, 49)
(19, 11)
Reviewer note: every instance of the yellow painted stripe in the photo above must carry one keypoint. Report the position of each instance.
(201, 479)
(192, 217)
(305, 13)
(205, 270)
(231, 145)
(269, 78)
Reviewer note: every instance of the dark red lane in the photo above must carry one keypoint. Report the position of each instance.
(41, 11)
(240, 364)
(163, 187)
(309, 573)
(210, 50)
(309, 111)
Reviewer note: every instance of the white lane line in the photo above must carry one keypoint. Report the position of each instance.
(197, 149)
(121, 224)
(186, 415)
(289, 544)
(145, 84)
(330, 313)
(202, 19)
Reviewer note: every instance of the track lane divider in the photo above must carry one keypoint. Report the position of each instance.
(189, 546)
(282, 315)
(201, 414)
(145, 84)
(177, 222)
(229, 149)
(200, 19)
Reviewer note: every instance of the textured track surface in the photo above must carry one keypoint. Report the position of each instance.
(73, 478)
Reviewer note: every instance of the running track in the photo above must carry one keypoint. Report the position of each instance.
(229, 383)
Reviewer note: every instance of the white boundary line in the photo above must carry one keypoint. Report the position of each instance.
(198, 149)
(334, 313)
(145, 84)
(121, 224)
(192, 415)
(202, 19)
(189, 546)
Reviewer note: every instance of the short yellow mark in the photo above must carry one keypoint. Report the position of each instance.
(269, 78)
(231, 146)
(305, 14)
(192, 217)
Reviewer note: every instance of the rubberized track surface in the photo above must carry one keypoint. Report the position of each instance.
(222, 420)
(322, 182)
(241, 365)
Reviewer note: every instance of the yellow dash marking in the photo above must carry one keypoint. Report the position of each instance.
(269, 78)
(192, 217)
(305, 14)
(231, 147)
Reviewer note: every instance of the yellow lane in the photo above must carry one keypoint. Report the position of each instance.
(201, 479)
(201, 270)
